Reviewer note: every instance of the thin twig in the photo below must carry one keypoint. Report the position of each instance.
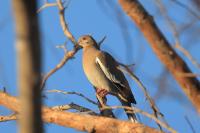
(176, 34)
(68, 34)
(63, 46)
(151, 101)
(74, 93)
(135, 78)
(187, 8)
(63, 23)
(69, 55)
(46, 5)
(8, 118)
(101, 41)
(187, 54)
(190, 124)
(74, 106)
(136, 110)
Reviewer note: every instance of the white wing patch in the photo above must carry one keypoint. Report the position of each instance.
(109, 75)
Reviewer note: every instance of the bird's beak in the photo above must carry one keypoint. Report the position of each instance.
(79, 44)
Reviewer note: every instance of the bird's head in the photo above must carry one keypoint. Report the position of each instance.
(86, 40)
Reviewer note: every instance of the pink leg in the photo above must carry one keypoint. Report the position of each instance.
(101, 96)
(101, 92)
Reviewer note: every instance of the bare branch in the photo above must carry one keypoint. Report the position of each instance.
(46, 5)
(63, 46)
(187, 54)
(176, 34)
(187, 8)
(190, 124)
(101, 41)
(69, 55)
(64, 24)
(86, 123)
(163, 50)
(8, 118)
(74, 93)
(75, 107)
(136, 110)
(68, 34)
(151, 101)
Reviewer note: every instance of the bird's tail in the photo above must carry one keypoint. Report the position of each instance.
(130, 113)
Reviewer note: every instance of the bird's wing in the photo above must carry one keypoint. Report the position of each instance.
(109, 67)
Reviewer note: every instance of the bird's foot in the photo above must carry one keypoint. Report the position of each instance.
(101, 92)
(101, 96)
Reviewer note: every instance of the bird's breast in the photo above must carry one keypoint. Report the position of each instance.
(94, 74)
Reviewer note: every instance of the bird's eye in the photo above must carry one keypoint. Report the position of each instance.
(84, 38)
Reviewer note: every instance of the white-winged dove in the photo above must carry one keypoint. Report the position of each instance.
(102, 71)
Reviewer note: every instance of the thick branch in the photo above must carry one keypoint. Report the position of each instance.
(80, 122)
(163, 50)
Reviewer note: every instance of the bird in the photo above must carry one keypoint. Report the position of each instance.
(103, 72)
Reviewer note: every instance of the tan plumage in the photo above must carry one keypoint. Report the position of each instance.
(102, 71)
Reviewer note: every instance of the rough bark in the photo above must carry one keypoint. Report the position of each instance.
(28, 65)
(163, 50)
(80, 122)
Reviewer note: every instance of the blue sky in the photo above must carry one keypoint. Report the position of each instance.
(95, 17)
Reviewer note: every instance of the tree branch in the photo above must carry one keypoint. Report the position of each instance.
(80, 122)
(56, 108)
(8, 118)
(28, 65)
(153, 106)
(68, 34)
(163, 50)
(75, 93)
(176, 34)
